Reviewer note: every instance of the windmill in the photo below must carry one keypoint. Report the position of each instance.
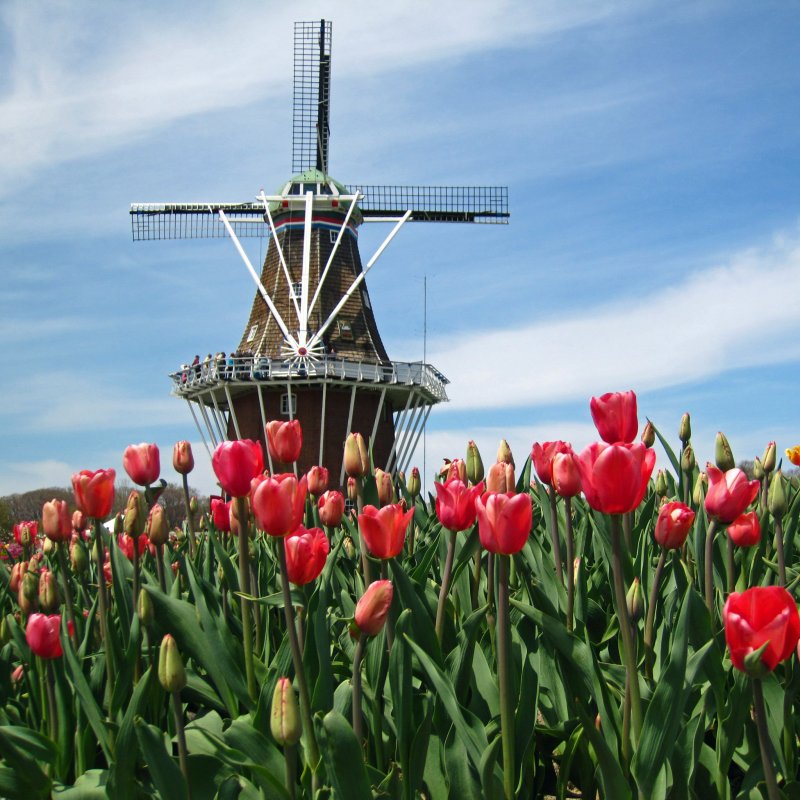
(311, 349)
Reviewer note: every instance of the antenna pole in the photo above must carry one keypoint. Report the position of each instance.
(424, 361)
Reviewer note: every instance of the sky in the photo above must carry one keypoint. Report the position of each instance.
(651, 153)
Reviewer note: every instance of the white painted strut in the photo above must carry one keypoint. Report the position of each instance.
(303, 332)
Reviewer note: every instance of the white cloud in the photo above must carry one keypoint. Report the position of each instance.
(740, 314)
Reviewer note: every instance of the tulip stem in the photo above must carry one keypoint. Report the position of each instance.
(180, 733)
(627, 526)
(99, 554)
(52, 708)
(628, 653)
(731, 564)
(358, 728)
(476, 580)
(289, 762)
(68, 601)
(445, 588)
(779, 548)
(709, 567)
(189, 518)
(297, 660)
(244, 602)
(389, 619)
(554, 535)
(651, 616)
(506, 705)
(763, 741)
(570, 564)
(162, 578)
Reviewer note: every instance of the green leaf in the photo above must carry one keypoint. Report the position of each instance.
(164, 771)
(23, 750)
(400, 682)
(89, 786)
(462, 782)
(344, 760)
(421, 621)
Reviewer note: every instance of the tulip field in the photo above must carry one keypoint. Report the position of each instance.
(578, 625)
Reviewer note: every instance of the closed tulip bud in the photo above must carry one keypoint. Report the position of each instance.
(356, 456)
(723, 455)
(504, 455)
(171, 673)
(144, 607)
(688, 461)
(17, 574)
(414, 484)
(194, 505)
(685, 430)
(635, 600)
(776, 498)
(5, 632)
(349, 547)
(135, 515)
(373, 607)
(119, 524)
(401, 477)
(497, 478)
(284, 718)
(78, 557)
(352, 489)
(47, 546)
(29, 585)
(457, 469)
(662, 486)
(331, 508)
(49, 599)
(699, 491)
(182, 458)
(383, 480)
(474, 463)
(157, 528)
(769, 458)
(317, 478)
(25, 537)
(649, 434)
(758, 469)
(56, 522)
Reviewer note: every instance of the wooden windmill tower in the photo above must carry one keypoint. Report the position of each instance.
(311, 349)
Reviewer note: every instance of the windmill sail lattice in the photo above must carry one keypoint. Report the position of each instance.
(311, 346)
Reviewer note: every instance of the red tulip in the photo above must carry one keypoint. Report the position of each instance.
(729, 493)
(373, 607)
(306, 552)
(674, 522)
(285, 440)
(43, 635)
(278, 503)
(56, 520)
(615, 417)
(455, 504)
(125, 544)
(745, 530)
(78, 521)
(542, 456)
(182, 458)
(221, 514)
(236, 464)
(614, 476)
(566, 475)
(33, 530)
(384, 530)
(142, 462)
(504, 521)
(317, 478)
(331, 508)
(17, 574)
(761, 615)
(94, 492)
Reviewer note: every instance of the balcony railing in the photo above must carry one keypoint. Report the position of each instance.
(194, 379)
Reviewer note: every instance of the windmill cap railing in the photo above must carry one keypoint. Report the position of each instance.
(194, 379)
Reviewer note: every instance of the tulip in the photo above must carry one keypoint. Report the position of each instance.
(455, 504)
(236, 464)
(142, 462)
(566, 476)
(171, 673)
(28, 593)
(699, 491)
(685, 429)
(635, 600)
(42, 635)
(278, 503)
(457, 468)
(17, 574)
(763, 615)
(504, 521)
(317, 479)
(723, 455)
(729, 493)
(674, 522)
(776, 500)
(221, 514)
(284, 440)
(758, 469)
(648, 434)
(414, 485)
(284, 718)
(661, 487)
(144, 608)
(770, 457)
(352, 490)
(614, 476)
(126, 545)
(94, 492)
(331, 508)
(56, 521)
(384, 530)
(745, 530)
(157, 528)
(135, 517)
(182, 458)
(25, 530)
(356, 456)
(793, 454)
(500, 478)
(615, 416)
(383, 481)
(504, 454)
(78, 557)
(49, 599)
(474, 463)
(306, 552)
(373, 607)
(542, 456)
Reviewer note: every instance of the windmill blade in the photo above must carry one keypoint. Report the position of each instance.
(151, 221)
(312, 92)
(487, 204)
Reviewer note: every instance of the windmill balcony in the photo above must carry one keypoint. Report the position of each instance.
(190, 382)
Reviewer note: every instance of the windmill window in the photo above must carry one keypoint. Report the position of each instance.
(296, 290)
(367, 303)
(252, 334)
(285, 405)
(334, 235)
(349, 506)
(345, 331)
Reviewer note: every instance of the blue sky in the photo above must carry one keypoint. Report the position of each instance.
(651, 151)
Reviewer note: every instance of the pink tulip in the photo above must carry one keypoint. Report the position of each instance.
(142, 462)
(43, 635)
(745, 530)
(566, 475)
(615, 416)
(455, 504)
(674, 522)
(504, 521)
(236, 464)
(94, 492)
(278, 503)
(614, 476)
(373, 607)
(284, 440)
(306, 552)
(729, 493)
(542, 456)
(331, 508)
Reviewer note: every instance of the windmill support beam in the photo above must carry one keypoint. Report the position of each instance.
(276, 243)
(413, 420)
(397, 435)
(322, 421)
(303, 332)
(199, 429)
(347, 429)
(219, 417)
(407, 458)
(209, 427)
(264, 423)
(232, 412)
(378, 414)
